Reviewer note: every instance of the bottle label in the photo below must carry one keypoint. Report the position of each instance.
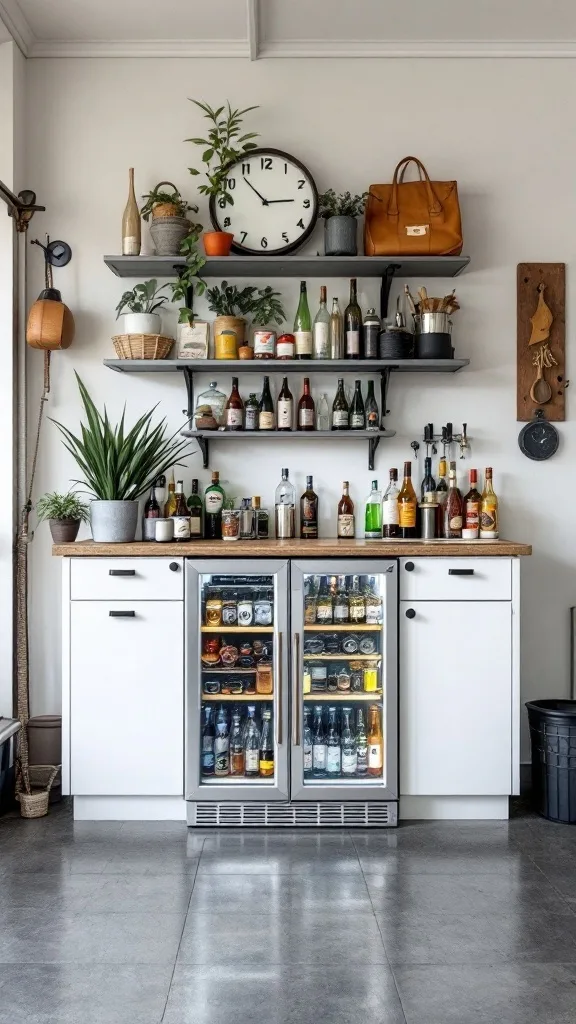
(266, 767)
(390, 511)
(233, 417)
(375, 755)
(309, 518)
(285, 350)
(319, 756)
(252, 759)
(339, 418)
(341, 613)
(407, 513)
(285, 415)
(266, 420)
(181, 527)
(222, 761)
(195, 526)
(251, 418)
(306, 417)
(303, 340)
(321, 341)
(349, 762)
(213, 501)
(323, 613)
(307, 759)
(362, 758)
(352, 343)
(357, 421)
(264, 343)
(130, 246)
(472, 515)
(372, 420)
(455, 522)
(373, 614)
(357, 612)
(488, 521)
(333, 760)
(345, 525)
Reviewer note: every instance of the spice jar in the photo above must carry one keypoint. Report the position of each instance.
(264, 678)
(263, 610)
(230, 524)
(214, 609)
(245, 611)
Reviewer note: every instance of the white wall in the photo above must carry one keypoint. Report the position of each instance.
(499, 127)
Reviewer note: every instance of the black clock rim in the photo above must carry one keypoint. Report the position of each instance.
(241, 250)
(522, 441)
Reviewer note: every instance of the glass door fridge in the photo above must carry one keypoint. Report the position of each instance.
(236, 699)
(344, 680)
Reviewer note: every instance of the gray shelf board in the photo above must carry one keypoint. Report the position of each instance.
(292, 266)
(302, 366)
(288, 435)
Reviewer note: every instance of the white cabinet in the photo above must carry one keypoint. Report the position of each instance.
(127, 697)
(456, 698)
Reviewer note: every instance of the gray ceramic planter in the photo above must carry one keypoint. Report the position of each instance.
(340, 236)
(167, 234)
(113, 522)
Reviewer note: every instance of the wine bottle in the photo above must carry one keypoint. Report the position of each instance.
(357, 417)
(306, 409)
(390, 527)
(371, 409)
(302, 326)
(266, 418)
(195, 510)
(170, 503)
(441, 495)
(428, 485)
(345, 513)
(340, 408)
(489, 511)
(151, 514)
(373, 514)
(336, 332)
(472, 505)
(131, 229)
(234, 409)
(353, 325)
(309, 512)
(213, 503)
(453, 506)
(407, 505)
(285, 407)
(321, 329)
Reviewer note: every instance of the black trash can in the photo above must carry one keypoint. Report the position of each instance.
(553, 737)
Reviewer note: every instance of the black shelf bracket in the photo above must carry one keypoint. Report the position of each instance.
(189, 381)
(385, 286)
(384, 384)
(373, 443)
(203, 446)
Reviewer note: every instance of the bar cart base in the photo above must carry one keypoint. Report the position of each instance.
(324, 814)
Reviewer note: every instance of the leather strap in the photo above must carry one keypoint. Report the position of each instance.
(434, 204)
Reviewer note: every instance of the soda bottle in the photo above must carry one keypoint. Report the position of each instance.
(208, 734)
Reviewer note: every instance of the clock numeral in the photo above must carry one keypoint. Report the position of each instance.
(266, 163)
(222, 202)
(306, 204)
(244, 233)
(285, 168)
(285, 237)
(301, 183)
(264, 243)
(231, 183)
(245, 168)
(300, 223)
(226, 222)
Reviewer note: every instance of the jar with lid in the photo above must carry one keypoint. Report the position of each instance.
(215, 399)
(343, 681)
(356, 676)
(264, 344)
(264, 678)
(229, 608)
(371, 676)
(214, 608)
(245, 610)
(263, 609)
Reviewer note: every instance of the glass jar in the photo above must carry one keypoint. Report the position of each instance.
(264, 344)
(245, 610)
(343, 682)
(356, 676)
(226, 345)
(215, 399)
(263, 610)
(264, 678)
(371, 676)
(230, 524)
(229, 609)
(214, 609)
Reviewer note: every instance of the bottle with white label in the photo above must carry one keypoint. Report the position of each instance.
(357, 412)
(234, 409)
(285, 407)
(306, 409)
(266, 418)
(340, 408)
(390, 521)
(321, 329)
(361, 744)
(318, 745)
(303, 326)
(213, 503)
(375, 741)
(180, 515)
(333, 752)
(348, 744)
(346, 526)
(353, 325)
(307, 744)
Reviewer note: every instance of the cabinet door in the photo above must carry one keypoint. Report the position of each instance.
(127, 698)
(455, 698)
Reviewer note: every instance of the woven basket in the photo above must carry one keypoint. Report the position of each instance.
(35, 804)
(142, 346)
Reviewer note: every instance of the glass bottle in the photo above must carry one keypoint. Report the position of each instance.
(311, 587)
(361, 744)
(306, 410)
(322, 413)
(171, 499)
(336, 332)
(180, 515)
(321, 329)
(302, 326)
(266, 763)
(371, 409)
(285, 508)
(333, 752)
(453, 506)
(307, 743)
(251, 412)
(324, 610)
(340, 408)
(131, 226)
(234, 409)
(356, 602)
(309, 512)
(428, 485)
(407, 504)
(285, 346)
(236, 746)
(151, 514)
(213, 503)
(375, 741)
(373, 514)
(251, 746)
(353, 325)
(341, 611)
(489, 509)
(472, 508)
(346, 527)
(318, 745)
(208, 737)
(160, 491)
(348, 745)
(194, 504)
(357, 415)
(390, 527)
(371, 331)
(266, 418)
(261, 519)
(441, 495)
(285, 407)
(373, 602)
(222, 745)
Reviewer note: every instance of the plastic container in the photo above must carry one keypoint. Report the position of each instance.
(8, 729)
(553, 737)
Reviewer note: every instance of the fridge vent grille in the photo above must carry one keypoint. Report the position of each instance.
(325, 814)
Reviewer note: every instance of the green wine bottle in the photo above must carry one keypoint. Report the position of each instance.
(303, 326)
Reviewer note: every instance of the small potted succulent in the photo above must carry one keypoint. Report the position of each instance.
(142, 301)
(224, 146)
(232, 305)
(170, 223)
(340, 213)
(64, 513)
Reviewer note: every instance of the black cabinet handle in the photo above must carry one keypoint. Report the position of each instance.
(460, 572)
(122, 615)
(174, 566)
(122, 572)
(410, 613)
(409, 566)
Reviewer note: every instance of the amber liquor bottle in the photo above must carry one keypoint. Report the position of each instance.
(453, 507)
(472, 507)
(309, 512)
(407, 504)
(306, 410)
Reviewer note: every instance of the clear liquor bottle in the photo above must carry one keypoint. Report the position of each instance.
(307, 743)
(321, 329)
(318, 745)
(341, 610)
(222, 745)
(285, 508)
(348, 745)
(251, 746)
(333, 752)
(336, 332)
(356, 602)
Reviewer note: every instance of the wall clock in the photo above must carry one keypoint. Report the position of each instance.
(539, 439)
(275, 204)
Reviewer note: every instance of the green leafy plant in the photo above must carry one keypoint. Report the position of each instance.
(143, 298)
(62, 506)
(158, 196)
(189, 275)
(341, 205)
(262, 305)
(224, 146)
(119, 465)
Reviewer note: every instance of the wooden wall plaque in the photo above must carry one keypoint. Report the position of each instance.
(541, 291)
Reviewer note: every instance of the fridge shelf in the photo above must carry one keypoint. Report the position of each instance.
(349, 697)
(246, 698)
(230, 671)
(236, 780)
(342, 657)
(347, 627)
(236, 629)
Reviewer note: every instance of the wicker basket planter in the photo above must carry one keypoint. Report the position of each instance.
(142, 346)
(35, 804)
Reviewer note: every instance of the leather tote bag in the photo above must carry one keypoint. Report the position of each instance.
(413, 218)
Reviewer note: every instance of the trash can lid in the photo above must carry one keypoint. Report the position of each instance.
(556, 707)
(45, 722)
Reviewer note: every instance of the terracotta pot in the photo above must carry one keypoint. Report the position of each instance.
(64, 531)
(217, 243)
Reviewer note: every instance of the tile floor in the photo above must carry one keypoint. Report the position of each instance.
(138, 923)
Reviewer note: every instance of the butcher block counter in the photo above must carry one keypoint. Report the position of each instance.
(325, 547)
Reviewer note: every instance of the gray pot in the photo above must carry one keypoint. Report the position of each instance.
(167, 234)
(113, 522)
(340, 236)
(64, 531)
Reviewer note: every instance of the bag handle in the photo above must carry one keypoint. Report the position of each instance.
(434, 205)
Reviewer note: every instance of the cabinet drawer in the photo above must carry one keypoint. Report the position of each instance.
(126, 579)
(455, 579)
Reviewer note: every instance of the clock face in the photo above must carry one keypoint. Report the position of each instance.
(275, 204)
(539, 440)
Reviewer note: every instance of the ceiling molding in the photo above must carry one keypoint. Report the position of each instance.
(253, 16)
(417, 48)
(141, 48)
(12, 18)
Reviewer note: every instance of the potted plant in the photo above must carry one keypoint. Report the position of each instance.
(119, 466)
(340, 213)
(170, 224)
(142, 300)
(223, 147)
(64, 513)
(232, 304)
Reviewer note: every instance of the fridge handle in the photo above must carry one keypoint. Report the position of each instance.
(279, 729)
(296, 667)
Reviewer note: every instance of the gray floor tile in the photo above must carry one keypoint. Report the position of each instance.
(55, 858)
(272, 894)
(139, 893)
(279, 862)
(512, 994)
(444, 861)
(346, 994)
(463, 894)
(160, 862)
(69, 994)
(279, 841)
(299, 937)
(43, 891)
(52, 937)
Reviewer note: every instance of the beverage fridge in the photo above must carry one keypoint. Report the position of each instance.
(291, 692)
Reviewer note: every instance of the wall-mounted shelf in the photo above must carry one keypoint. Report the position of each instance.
(205, 439)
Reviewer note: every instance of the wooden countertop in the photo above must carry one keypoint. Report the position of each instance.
(326, 547)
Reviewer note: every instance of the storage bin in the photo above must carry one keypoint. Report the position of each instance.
(553, 738)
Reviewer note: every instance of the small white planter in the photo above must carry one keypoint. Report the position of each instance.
(142, 323)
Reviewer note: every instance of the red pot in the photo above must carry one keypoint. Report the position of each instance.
(217, 243)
